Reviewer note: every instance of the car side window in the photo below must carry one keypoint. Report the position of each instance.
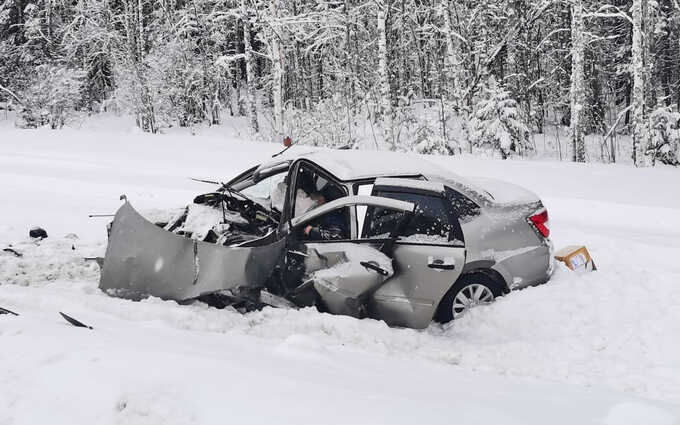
(466, 209)
(430, 223)
(362, 189)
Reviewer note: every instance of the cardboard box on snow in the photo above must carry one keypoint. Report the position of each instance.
(576, 257)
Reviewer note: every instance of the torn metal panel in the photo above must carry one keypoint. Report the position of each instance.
(345, 274)
(144, 260)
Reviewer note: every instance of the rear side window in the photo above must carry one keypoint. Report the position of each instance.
(430, 224)
(465, 208)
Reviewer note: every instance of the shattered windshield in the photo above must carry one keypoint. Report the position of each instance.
(269, 191)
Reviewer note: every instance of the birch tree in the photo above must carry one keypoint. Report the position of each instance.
(384, 76)
(276, 55)
(638, 66)
(577, 82)
(251, 97)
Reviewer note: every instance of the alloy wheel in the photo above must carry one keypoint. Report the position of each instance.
(470, 296)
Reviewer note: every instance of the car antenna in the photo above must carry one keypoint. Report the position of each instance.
(204, 180)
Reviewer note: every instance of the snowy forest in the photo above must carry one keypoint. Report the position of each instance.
(601, 78)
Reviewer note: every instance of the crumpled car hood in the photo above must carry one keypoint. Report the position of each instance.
(144, 260)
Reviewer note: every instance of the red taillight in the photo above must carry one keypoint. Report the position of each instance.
(540, 221)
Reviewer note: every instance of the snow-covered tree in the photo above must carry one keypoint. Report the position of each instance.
(597, 67)
(578, 98)
(384, 74)
(664, 141)
(497, 122)
(640, 134)
(52, 96)
(249, 58)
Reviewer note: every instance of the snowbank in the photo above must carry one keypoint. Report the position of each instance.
(599, 348)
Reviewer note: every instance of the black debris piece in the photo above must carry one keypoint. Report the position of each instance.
(5, 311)
(74, 322)
(37, 232)
(13, 251)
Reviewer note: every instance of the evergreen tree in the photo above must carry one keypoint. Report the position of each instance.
(664, 136)
(497, 123)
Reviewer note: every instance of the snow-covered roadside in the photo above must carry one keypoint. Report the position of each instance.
(582, 349)
(156, 362)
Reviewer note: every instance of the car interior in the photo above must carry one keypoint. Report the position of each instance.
(314, 188)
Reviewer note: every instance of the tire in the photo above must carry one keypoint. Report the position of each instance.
(467, 286)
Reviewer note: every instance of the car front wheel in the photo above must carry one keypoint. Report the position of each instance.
(468, 292)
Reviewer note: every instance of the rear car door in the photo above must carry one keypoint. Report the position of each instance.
(429, 253)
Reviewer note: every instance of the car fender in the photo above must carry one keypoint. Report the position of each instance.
(486, 266)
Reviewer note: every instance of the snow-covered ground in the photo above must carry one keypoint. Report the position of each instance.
(600, 348)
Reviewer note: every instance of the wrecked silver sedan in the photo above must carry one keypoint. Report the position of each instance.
(398, 239)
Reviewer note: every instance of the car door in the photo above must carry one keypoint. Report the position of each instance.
(429, 254)
(342, 271)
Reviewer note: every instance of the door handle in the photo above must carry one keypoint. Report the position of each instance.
(441, 264)
(375, 268)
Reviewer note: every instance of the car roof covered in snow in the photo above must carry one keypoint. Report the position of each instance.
(348, 165)
(355, 164)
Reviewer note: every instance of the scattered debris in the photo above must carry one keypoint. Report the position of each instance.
(37, 233)
(5, 311)
(275, 301)
(576, 257)
(74, 322)
(13, 251)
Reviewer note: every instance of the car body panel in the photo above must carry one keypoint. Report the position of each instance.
(142, 259)
(502, 238)
(411, 297)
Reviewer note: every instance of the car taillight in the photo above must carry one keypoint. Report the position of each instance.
(540, 222)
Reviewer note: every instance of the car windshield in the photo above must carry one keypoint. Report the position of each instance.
(269, 191)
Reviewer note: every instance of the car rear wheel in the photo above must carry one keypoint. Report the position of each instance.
(468, 292)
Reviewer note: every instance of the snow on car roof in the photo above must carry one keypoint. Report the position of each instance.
(433, 186)
(349, 165)
(355, 164)
(503, 192)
